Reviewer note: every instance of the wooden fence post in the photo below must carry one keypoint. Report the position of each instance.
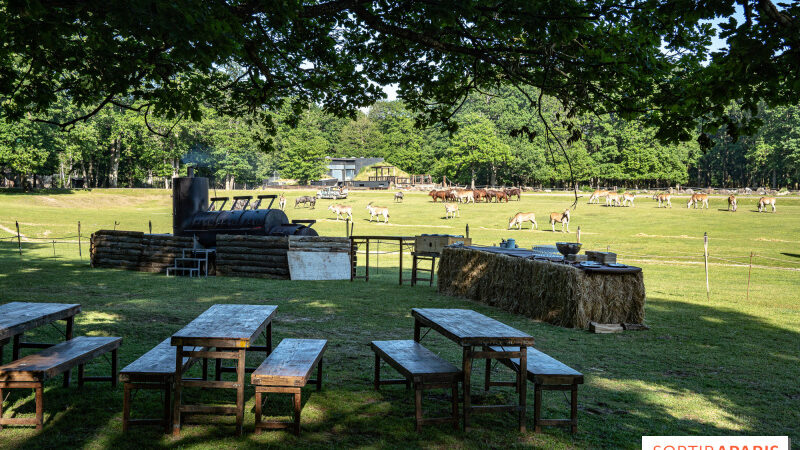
(579, 235)
(467, 234)
(150, 226)
(705, 258)
(80, 254)
(19, 239)
(749, 270)
(347, 227)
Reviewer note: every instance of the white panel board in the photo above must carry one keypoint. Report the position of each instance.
(318, 265)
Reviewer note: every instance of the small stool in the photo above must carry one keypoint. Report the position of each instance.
(422, 256)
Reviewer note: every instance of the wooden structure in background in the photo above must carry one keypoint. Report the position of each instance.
(384, 173)
(357, 241)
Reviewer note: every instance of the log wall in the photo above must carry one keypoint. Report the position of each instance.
(240, 256)
(134, 250)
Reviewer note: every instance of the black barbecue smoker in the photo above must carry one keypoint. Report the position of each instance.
(193, 215)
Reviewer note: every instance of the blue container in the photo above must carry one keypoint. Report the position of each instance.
(510, 243)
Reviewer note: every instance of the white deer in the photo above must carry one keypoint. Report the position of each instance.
(376, 211)
(451, 209)
(519, 218)
(764, 201)
(595, 198)
(282, 202)
(562, 218)
(628, 198)
(342, 210)
(612, 199)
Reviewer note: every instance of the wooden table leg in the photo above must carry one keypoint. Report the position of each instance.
(269, 338)
(126, 406)
(417, 327)
(298, 405)
(258, 411)
(15, 347)
(39, 406)
(418, 405)
(68, 336)
(114, 363)
(523, 386)
(167, 406)
(176, 401)
(240, 373)
(414, 270)
(467, 370)
(377, 381)
(3, 343)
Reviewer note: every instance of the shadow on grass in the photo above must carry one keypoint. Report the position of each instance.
(699, 370)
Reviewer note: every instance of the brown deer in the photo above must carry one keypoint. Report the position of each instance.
(595, 197)
(562, 218)
(698, 199)
(732, 203)
(375, 211)
(451, 209)
(519, 218)
(514, 191)
(663, 198)
(764, 201)
(438, 195)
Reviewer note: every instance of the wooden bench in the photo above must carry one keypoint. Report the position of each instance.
(423, 369)
(33, 370)
(154, 370)
(285, 371)
(547, 374)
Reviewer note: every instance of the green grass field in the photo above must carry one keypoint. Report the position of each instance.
(724, 365)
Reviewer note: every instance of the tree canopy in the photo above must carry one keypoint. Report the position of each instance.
(172, 59)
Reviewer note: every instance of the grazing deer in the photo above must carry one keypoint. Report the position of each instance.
(465, 195)
(510, 192)
(595, 197)
(612, 199)
(398, 196)
(732, 203)
(342, 210)
(282, 202)
(375, 211)
(451, 209)
(562, 218)
(500, 196)
(438, 195)
(628, 198)
(764, 201)
(663, 198)
(519, 218)
(698, 199)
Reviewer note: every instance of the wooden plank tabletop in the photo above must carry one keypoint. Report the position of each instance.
(54, 360)
(467, 327)
(237, 325)
(291, 363)
(18, 317)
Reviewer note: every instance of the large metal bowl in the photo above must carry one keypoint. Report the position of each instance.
(568, 248)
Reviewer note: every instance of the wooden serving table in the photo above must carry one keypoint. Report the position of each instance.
(18, 317)
(471, 329)
(232, 329)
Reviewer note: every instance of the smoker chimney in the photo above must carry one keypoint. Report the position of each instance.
(190, 172)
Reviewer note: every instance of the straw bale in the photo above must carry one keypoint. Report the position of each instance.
(556, 293)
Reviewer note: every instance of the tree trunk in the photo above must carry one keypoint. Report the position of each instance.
(493, 178)
(113, 162)
(472, 182)
(230, 181)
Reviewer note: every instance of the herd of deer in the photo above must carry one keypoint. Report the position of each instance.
(664, 199)
(452, 197)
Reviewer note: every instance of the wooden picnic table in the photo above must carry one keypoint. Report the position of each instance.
(471, 329)
(18, 317)
(232, 329)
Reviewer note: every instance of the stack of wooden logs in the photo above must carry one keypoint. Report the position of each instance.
(252, 256)
(134, 250)
(319, 244)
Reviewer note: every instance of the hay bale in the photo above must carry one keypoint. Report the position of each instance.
(556, 293)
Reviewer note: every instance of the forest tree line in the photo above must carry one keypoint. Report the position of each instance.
(117, 148)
